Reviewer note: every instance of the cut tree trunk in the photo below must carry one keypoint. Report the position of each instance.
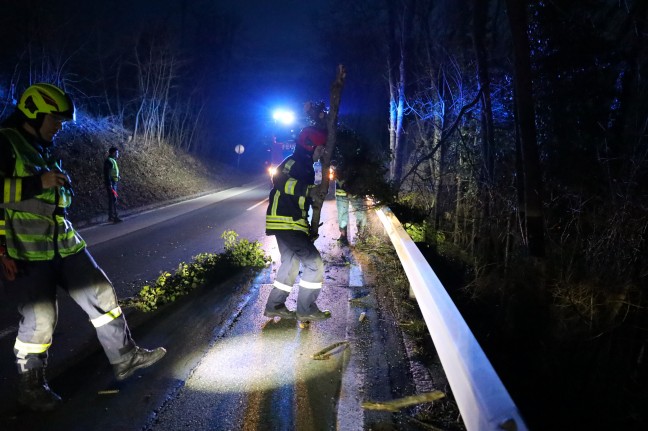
(331, 125)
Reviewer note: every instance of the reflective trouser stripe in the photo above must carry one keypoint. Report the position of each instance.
(310, 284)
(282, 286)
(106, 318)
(27, 348)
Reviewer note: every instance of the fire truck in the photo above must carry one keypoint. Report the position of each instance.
(281, 147)
(283, 142)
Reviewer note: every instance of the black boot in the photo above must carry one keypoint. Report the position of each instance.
(307, 308)
(141, 358)
(34, 393)
(282, 312)
(275, 306)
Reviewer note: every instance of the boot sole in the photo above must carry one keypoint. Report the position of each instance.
(272, 316)
(327, 315)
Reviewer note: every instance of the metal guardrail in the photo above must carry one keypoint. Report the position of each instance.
(483, 400)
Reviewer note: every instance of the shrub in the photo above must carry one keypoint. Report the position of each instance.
(239, 255)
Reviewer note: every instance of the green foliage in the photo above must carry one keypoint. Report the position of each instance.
(415, 231)
(423, 232)
(243, 253)
(361, 167)
(239, 255)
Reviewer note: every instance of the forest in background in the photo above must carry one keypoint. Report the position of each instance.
(518, 143)
(513, 134)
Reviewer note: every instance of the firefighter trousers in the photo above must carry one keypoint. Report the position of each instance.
(297, 250)
(35, 291)
(359, 209)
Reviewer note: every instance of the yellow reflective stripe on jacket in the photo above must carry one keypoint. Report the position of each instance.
(279, 222)
(106, 318)
(289, 187)
(3, 231)
(340, 192)
(12, 190)
(285, 223)
(287, 166)
(27, 348)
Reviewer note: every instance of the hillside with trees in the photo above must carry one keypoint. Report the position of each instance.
(512, 135)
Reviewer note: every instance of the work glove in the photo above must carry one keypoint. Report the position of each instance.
(8, 265)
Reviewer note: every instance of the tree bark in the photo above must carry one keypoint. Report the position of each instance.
(331, 125)
(533, 186)
(486, 183)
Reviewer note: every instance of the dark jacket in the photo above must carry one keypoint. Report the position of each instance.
(289, 202)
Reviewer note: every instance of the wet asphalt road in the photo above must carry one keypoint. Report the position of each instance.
(227, 367)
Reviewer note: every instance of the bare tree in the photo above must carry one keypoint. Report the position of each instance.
(400, 22)
(533, 185)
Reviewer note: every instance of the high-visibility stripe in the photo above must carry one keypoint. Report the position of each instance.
(285, 223)
(287, 166)
(310, 284)
(340, 192)
(282, 286)
(6, 190)
(290, 185)
(106, 318)
(27, 348)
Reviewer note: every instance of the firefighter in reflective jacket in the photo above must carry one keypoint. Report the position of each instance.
(287, 220)
(40, 250)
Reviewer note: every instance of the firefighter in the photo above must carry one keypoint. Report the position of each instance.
(111, 177)
(287, 220)
(40, 250)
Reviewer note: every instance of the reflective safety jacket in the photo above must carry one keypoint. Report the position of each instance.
(35, 227)
(339, 191)
(289, 202)
(111, 171)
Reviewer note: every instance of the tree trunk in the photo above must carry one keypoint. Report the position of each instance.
(331, 125)
(400, 22)
(480, 18)
(533, 186)
(486, 171)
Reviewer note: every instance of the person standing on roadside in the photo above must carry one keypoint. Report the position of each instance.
(111, 177)
(287, 219)
(41, 251)
(343, 201)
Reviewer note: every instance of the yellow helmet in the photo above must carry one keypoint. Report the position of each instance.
(46, 99)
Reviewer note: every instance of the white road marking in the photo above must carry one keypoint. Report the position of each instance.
(257, 204)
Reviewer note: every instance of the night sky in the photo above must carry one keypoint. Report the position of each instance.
(244, 57)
